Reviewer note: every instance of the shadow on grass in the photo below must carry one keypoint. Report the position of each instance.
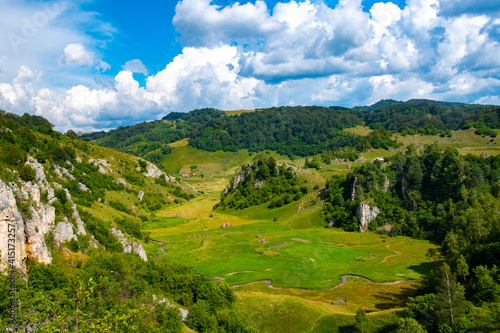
(390, 300)
(422, 268)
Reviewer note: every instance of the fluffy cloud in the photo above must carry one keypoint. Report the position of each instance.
(298, 52)
(135, 66)
(76, 54)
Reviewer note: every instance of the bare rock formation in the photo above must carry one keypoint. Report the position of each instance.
(128, 246)
(11, 229)
(63, 232)
(365, 214)
(36, 219)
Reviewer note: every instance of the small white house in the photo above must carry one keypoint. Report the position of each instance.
(381, 159)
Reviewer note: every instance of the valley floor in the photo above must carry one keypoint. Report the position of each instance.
(291, 274)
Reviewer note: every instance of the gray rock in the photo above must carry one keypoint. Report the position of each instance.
(365, 214)
(63, 232)
(128, 246)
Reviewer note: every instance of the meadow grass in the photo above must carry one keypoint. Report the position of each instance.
(186, 155)
(314, 257)
(292, 311)
(460, 139)
(237, 112)
(359, 130)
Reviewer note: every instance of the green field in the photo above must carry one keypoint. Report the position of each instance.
(306, 257)
(288, 270)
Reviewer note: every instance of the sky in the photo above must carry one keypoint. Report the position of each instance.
(91, 65)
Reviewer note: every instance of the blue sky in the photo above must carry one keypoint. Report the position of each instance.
(99, 64)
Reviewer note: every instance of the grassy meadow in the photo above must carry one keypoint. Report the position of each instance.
(290, 273)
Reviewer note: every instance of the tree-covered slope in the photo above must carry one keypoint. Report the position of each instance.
(263, 181)
(73, 213)
(443, 196)
(296, 131)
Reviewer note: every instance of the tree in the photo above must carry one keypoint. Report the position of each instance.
(409, 325)
(70, 133)
(169, 318)
(486, 289)
(462, 267)
(451, 297)
(200, 318)
(361, 321)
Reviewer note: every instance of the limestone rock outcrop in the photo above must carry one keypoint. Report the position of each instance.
(128, 246)
(11, 229)
(365, 214)
(152, 171)
(21, 207)
(63, 232)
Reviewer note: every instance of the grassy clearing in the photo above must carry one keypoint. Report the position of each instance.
(354, 294)
(460, 139)
(359, 130)
(318, 260)
(186, 155)
(180, 143)
(296, 311)
(237, 112)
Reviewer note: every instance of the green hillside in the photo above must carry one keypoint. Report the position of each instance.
(75, 275)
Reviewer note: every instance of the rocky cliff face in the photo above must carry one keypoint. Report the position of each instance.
(28, 209)
(36, 220)
(11, 228)
(128, 246)
(365, 214)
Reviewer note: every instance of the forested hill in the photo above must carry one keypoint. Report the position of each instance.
(444, 196)
(295, 131)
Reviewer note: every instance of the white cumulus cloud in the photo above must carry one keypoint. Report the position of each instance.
(251, 55)
(76, 55)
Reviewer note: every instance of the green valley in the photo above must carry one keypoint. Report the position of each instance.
(291, 219)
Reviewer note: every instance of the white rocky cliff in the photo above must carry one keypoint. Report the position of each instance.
(365, 214)
(10, 220)
(35, 221)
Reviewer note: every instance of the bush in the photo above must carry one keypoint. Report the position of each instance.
(27, 173)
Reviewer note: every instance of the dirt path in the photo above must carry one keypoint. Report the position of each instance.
(397, 253)
(345, 277)
(268, 284)
(342, 282)
(298, 210)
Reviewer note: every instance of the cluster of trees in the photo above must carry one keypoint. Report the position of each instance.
(431, 117)
(299, 131)
(263, 180)
(446, 197)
